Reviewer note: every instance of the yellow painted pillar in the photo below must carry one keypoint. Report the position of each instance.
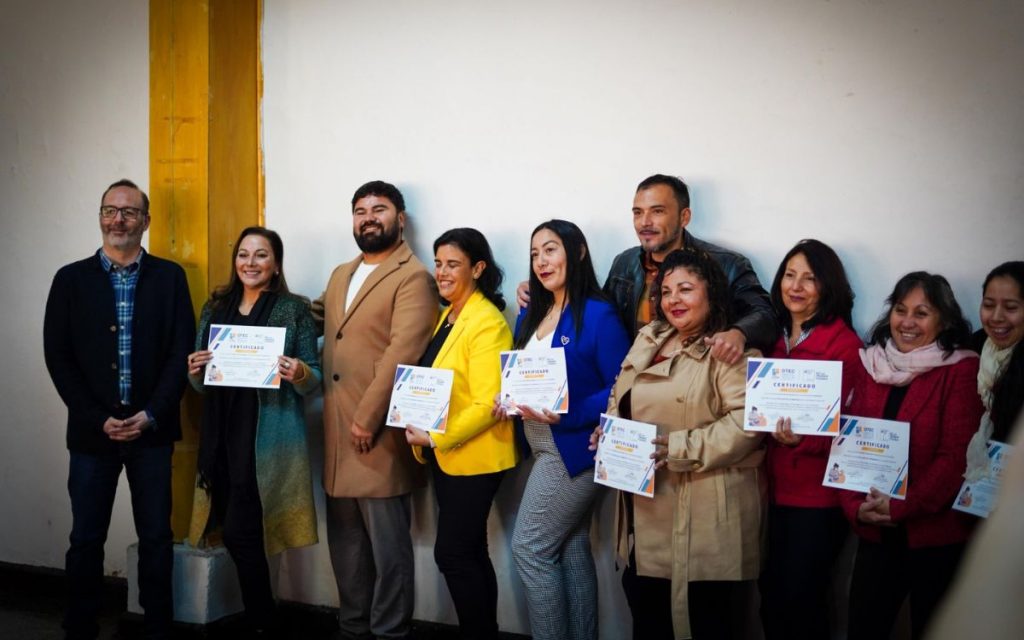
(206, 178)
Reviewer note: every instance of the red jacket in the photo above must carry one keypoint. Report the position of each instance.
(795, 473)
(943, 409)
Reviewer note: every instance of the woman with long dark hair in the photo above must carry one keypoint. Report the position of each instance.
(1001, 370)
(551, 543)
(254, 476)
(813, 302)
(471, 457)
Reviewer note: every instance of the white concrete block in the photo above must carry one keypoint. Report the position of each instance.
(205, 584)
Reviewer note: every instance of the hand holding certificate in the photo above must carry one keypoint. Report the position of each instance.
(805, 391)
(870, 453)
(979, 498)
(420, 397)
(535, 378)
(624, 455)
(244, 356)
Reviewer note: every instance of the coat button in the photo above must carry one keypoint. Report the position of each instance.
(336, 377)
(113, 328)
(113, 365)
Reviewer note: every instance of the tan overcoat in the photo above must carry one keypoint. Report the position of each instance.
(705, 520)
(388, 323)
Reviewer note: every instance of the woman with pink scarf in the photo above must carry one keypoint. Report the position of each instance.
(916, 370)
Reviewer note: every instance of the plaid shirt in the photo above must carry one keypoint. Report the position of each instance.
(123, 279)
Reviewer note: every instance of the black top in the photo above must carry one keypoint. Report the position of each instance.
(893, 402)
(435, 345)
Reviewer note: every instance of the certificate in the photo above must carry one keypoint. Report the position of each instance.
(244, 356)
(623, 459)
(979, 498)
(420, 396)
(535, 378)
(808, 392)
(870, 453)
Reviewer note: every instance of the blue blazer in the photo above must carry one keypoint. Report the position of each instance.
(592, 361)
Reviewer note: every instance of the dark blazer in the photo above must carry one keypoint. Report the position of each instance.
(943, 409)
(592, 360)
(80, 347)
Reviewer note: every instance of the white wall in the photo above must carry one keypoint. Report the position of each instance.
(74, 96)
(890, 129)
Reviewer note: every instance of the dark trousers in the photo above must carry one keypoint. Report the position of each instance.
(803, 544)
(884, 573)
(712, 606)
(92, 483)
(243, 537)
(460, 548)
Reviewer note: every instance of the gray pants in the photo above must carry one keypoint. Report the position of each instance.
(551, 545)
(371, 553)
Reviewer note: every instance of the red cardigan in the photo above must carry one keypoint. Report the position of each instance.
(795, 473)
(943, 409)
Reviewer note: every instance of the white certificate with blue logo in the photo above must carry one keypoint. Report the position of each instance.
(808, 392)
(535, 378)
(979, 498)
(420, 396)
(244, 356)
(623, 459)
(869, 452)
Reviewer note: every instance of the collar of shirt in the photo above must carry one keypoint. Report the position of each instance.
(109, 264)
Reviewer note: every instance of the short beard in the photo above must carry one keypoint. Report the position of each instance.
(383, 241)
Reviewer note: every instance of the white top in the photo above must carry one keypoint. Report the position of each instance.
(359, 277)
(538, 343)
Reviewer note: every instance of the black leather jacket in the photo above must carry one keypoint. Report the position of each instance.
(751, 307)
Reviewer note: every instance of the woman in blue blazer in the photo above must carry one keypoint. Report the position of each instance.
(551, 544)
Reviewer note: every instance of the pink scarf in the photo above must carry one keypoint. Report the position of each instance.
(889, 365)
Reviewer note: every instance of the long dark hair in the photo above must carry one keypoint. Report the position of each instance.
(580, 280)
(715, 282)
(473, 243)
(955, 330)
(223, 294)
(835, 295)
(1007, 398)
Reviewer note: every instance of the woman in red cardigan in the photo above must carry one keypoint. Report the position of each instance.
(915, 370)
(806, 528)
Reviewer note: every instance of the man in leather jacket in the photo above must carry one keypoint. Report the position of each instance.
(661, 211)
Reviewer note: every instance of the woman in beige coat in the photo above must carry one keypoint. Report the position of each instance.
(689, 546)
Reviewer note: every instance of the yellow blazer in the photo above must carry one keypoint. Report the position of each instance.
(474, 442)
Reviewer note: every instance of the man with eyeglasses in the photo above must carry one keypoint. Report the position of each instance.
(117, 331)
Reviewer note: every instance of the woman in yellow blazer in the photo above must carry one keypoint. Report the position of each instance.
(470, 458)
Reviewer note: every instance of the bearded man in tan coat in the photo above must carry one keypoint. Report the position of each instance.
(377, 312)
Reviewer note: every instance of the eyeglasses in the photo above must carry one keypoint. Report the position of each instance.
(130, 214)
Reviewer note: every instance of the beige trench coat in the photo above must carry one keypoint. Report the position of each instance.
(388, 323)
(705, 521)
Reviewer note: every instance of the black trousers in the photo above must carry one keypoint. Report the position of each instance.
(237, 508)
(243, 537)
(460, 549)
(712, 606)
(884, 573)
(803, 544)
